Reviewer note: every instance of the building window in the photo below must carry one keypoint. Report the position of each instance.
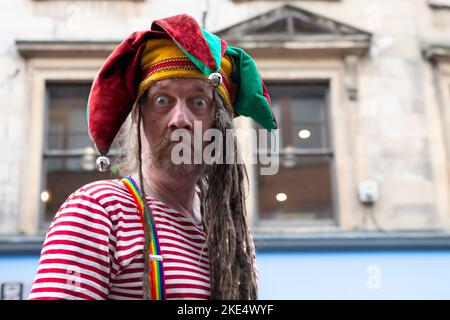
(303, 188)
(69, 155)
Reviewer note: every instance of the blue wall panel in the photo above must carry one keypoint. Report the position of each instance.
(320, 275)
(355, 275)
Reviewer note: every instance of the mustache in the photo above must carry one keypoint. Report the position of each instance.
(162, 145)
(166, 141)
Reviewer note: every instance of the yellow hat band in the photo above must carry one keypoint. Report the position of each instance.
(162, 59)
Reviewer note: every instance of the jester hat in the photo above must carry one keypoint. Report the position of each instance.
(173, 47)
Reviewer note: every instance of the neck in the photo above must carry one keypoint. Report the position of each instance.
(176, 191)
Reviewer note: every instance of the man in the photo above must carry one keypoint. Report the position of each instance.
(166, 231)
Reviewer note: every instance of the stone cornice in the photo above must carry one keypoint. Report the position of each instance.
(59, 49)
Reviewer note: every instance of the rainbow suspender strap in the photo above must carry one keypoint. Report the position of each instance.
(156, 270)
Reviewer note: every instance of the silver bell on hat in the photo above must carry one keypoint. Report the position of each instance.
(102, 163)
(215, 79)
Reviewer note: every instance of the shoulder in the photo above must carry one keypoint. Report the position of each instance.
(98, 197)
(85, 210)
(109, 194)
(104, 188)
(98, 203)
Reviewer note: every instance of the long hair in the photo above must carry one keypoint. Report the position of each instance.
(222, 194)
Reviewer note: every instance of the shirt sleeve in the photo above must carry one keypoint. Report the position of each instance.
(75, 261)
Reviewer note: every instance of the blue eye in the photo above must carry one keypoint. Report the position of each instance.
(162, 101)
(200, 102)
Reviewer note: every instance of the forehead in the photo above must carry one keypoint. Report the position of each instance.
(182, 83)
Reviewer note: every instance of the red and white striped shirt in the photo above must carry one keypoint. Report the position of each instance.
(94, 249)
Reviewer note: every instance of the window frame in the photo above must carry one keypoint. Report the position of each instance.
(331, 71)
(41, 70)
(445, 100)
(437, 67)
(326, 154)
(65, 154)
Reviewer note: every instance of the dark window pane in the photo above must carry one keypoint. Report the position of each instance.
(270, 134)
(308, 108)
(60, 183)
(276, 111)
(302, 189)
(302, 115)
(55, 132)
(301, 192)
(67, 131)
(309, 136)
(67, 116)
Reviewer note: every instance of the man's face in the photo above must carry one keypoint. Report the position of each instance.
(170, 104)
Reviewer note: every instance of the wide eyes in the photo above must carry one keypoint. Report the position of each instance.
(162, 101)
(198, 102)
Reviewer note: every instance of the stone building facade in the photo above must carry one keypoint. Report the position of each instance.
(370, 79)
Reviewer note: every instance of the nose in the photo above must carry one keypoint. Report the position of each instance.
(181, 117)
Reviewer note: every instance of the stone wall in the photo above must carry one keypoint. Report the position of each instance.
(397, 130)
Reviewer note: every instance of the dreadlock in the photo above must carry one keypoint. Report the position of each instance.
(232, 272)
(147, 264)
(222, 193)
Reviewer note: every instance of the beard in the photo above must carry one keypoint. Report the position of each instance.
(161, 158)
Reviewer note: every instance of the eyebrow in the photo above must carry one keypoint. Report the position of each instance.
(158, 85)
(196, 87)
(200, 88)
